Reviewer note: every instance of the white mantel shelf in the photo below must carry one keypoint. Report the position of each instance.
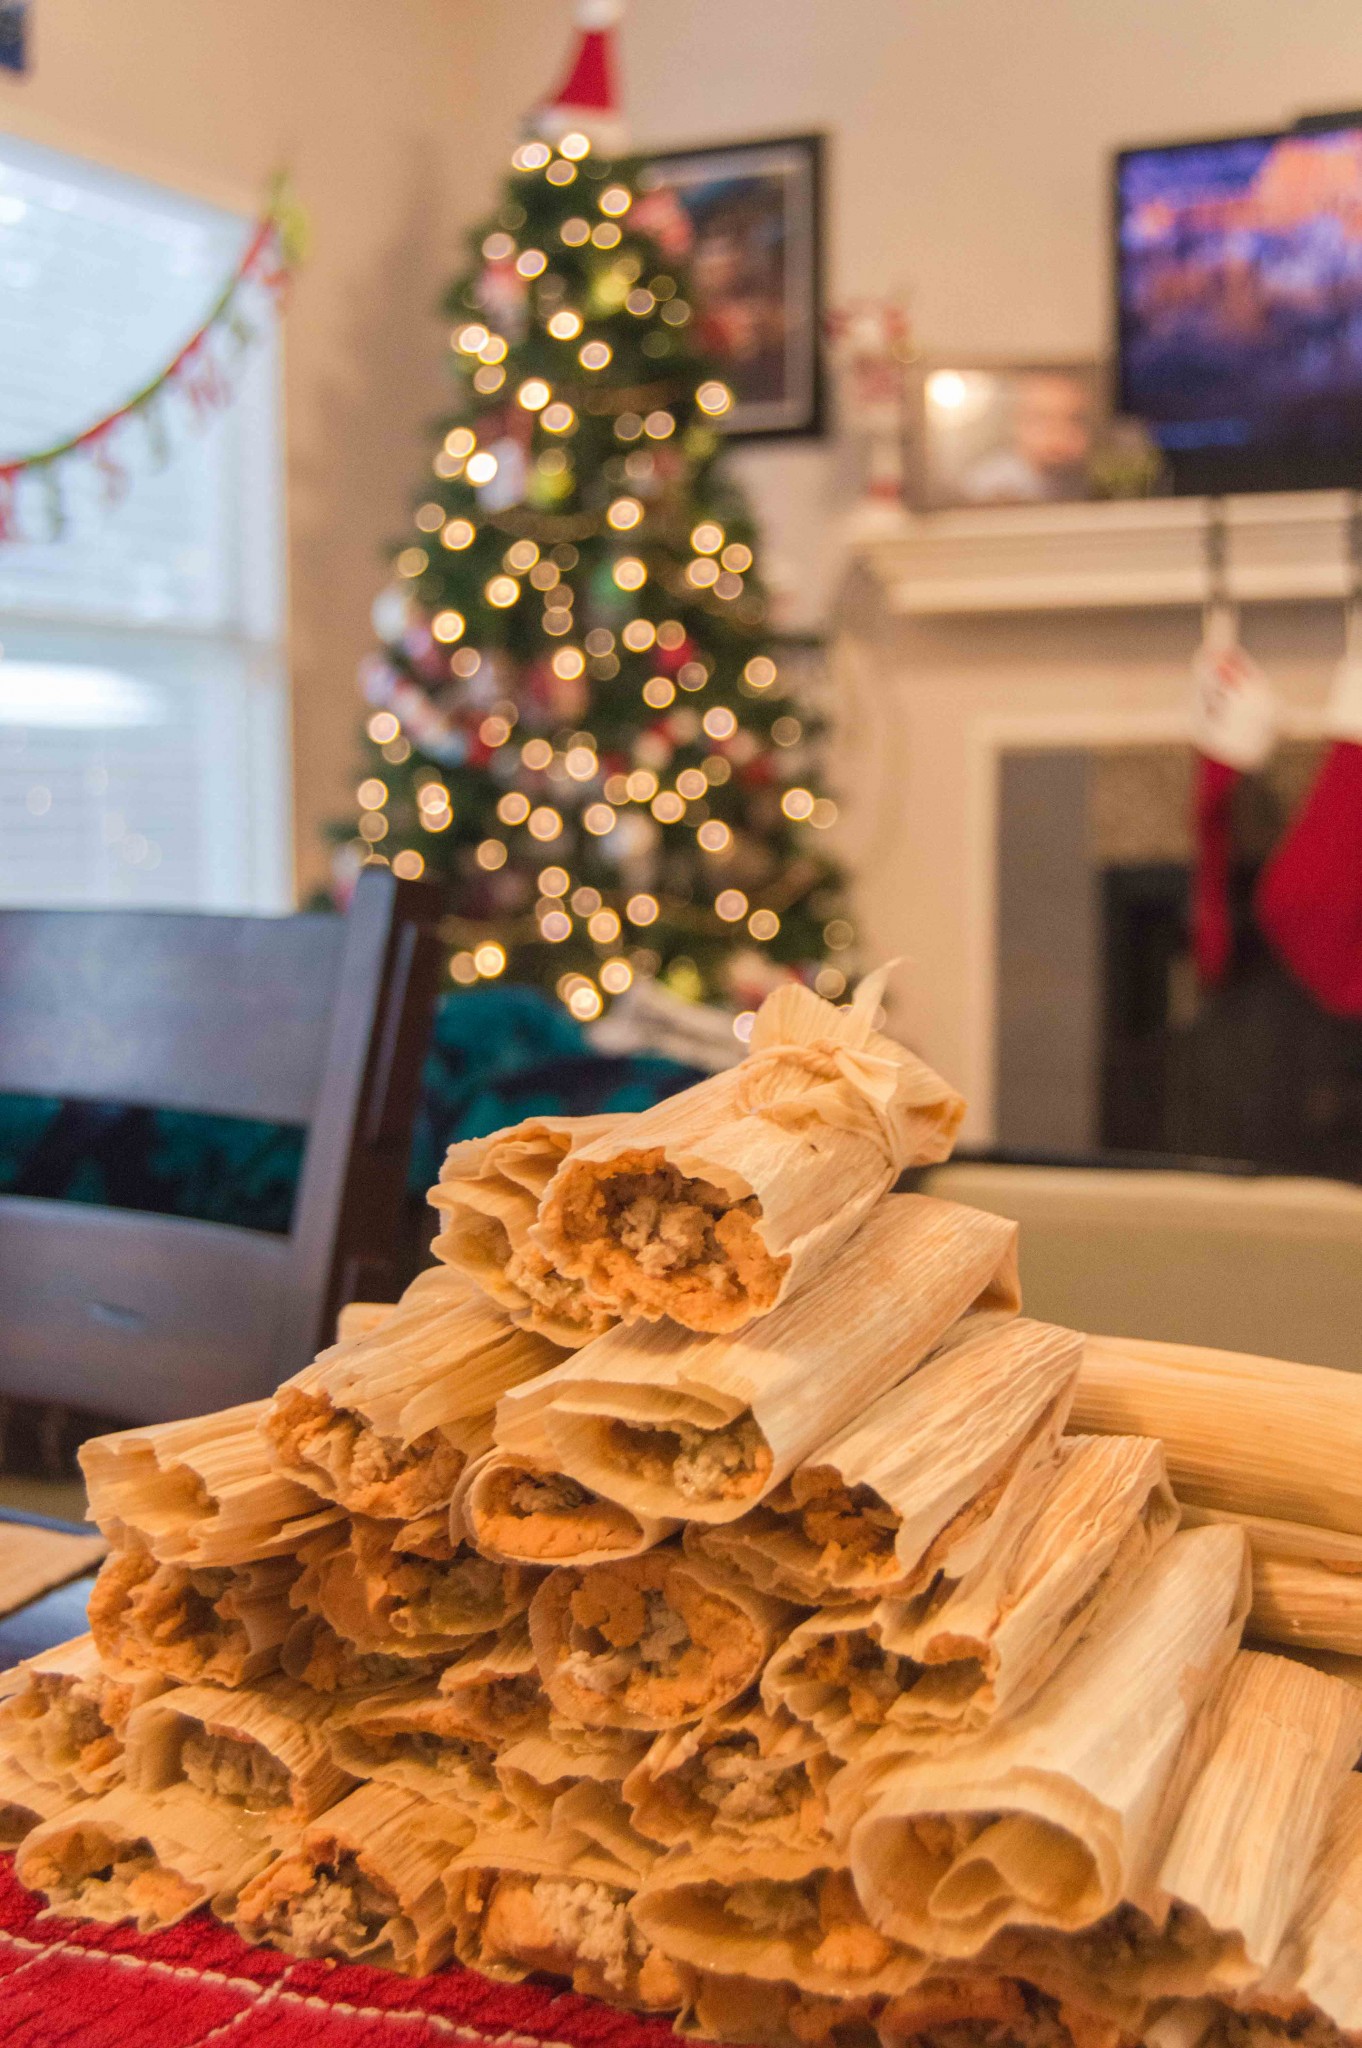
(1279, 547)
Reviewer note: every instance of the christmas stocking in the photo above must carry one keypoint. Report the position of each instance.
(1233, 727)
(1309, 898)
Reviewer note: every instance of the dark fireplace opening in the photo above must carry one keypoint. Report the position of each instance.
(1252, 1070)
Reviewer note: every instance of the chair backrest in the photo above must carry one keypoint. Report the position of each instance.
(1267, 1264)
(314, 1020)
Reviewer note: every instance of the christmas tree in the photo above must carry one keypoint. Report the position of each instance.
(578, 726)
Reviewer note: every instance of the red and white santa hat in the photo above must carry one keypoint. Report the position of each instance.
(587, 101)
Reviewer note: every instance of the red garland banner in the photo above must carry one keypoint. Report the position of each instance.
(197, 371)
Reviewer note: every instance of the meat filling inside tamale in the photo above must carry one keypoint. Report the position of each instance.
(572, 1927)
(733, 1463)
(58, 1727)
(329, 1909)
(544, 1515)
(819, 1916)
(733, 1786)
(564, 1300)
(654, 1639)
(96, 1876)
(370, 1474)
(233, 1767)
(986, 2011)
(657, 1240)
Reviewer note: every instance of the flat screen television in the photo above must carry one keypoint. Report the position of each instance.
(1239, 306)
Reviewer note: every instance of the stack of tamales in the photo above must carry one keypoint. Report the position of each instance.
(707, 1588)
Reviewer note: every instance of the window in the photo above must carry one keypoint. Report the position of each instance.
(143, 713)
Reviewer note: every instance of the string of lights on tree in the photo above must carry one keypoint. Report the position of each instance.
(576, 725)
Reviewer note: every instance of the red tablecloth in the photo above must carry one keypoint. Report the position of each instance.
(67, 1984)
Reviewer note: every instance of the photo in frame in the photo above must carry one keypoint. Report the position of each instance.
(996, 433)
(746, 217)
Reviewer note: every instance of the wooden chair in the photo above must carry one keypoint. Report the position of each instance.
(314, 1020)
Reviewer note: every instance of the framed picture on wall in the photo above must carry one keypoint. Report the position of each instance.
(990, 433)
(746, 217)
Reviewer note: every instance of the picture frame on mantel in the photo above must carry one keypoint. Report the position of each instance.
(746, 217)
(991, 432)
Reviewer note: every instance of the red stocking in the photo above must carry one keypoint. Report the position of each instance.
(1233, 721)
(1309, 898)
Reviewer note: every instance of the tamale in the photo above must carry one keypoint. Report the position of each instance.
(495, 1686)
(1307, 1582)
(1278, 1742)
(220, 1623)
(386, 1424)
(1256, 1436)
(488, 1197)
(363, 1884)
(524, 1902)
(199, 1493)
(406, 1588)
(1050, 1817)
(408, 1735)
(522, 1511)
(712, 1206)
(1312, 1992)
(905, 1677)
(981, 2009)
(25, 1801)
(744, 1772)
(746, 2010)
(315, 1655)
(771, 1912)
(651, 1643)
(679, 1427)
(151, 1858)
(932, 1482)
(63, 1718)
(539, 1768)
(263, 1748)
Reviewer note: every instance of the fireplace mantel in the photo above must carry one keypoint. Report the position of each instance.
(975, 635)
(1277, 546)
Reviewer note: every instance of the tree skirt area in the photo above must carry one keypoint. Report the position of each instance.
(70, 1984)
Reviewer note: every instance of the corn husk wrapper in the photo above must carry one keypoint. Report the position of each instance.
(148, 1857)
(698, 1429)
(361, 1319)
(746, 2010)
(1332, 1661)
(522, 1511)
(933, 1481)
(915, 1677)
(385, 1425)
(363, 1885)
(25, 1801)
(1277, 1742)
(264, 1748)
(774, 1913)
(711, 1207)
(1307, 1582)
(214, 1624)
(1255, 1436)
(1317, 1970)
(746, 1773)
(408, 1736)
(406, 1589)
(488, 1197)
(62, 1718)
(201, 1492)
(523, 1901)
(540, 1767)
(651, 1643)
(1052, 1817)
(314, 1655)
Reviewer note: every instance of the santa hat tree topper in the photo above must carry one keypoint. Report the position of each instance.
(587, 101)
